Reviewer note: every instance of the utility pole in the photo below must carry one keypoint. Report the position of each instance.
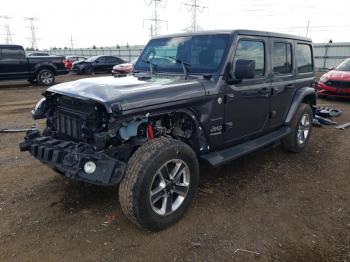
(194, 8)
(307, 28)
(33, 39)
(71, 42)
(155, 20)
(8, 38)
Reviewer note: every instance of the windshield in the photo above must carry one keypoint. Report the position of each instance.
(203, 53)
(344, 66)
(92, 59)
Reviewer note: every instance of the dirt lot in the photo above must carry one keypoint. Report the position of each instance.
(286, 207)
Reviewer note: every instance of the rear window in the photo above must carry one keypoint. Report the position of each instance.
(111, 60)
(282, 58)
(303, 57)
(11, 53)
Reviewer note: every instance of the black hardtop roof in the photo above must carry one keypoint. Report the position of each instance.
(8, 45)
(239, 32)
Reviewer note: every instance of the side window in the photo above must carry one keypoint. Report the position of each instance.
(303, 57)
(100, 60)
(10, 53)
(112, 60)
(282, 58)
(252, 50)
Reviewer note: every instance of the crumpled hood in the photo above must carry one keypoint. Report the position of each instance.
(131, 92)
(339, 75)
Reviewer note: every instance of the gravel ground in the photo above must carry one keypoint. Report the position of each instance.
(282, 206)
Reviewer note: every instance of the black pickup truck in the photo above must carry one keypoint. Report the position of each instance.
(15, 65)
(214, 96)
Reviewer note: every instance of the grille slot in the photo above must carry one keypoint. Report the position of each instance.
(338, 84)
(69, 126)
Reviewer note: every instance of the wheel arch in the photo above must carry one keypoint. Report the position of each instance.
(305, 95)
(200, 140)
(40, 67)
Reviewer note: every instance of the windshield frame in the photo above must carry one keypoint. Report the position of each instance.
(227, 37)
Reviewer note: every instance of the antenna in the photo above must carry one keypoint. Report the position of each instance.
(71, 42)
(307, 27)
(8, 38)
(33, 39)
(156, 21)
(194, 8)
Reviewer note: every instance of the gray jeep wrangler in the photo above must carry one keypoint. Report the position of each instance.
(213, 96)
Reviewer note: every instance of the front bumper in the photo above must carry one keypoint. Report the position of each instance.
(323, 89)
(68, 158)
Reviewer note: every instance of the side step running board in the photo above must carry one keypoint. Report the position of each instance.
(218, 158)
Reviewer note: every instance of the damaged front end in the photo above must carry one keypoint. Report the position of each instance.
(84, 142)
(77, 141)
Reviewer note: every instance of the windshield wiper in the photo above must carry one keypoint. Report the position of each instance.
(152, 67)
(185, 66)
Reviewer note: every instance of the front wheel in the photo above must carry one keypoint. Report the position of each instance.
(46, 77)
(160, 182)
(300, 130)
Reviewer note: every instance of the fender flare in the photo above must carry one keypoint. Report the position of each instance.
(303, 95)
(41, 66)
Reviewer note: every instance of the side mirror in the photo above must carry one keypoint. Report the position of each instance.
(331, 68)
(244, 69)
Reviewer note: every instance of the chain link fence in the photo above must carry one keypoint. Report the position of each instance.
(127, 54)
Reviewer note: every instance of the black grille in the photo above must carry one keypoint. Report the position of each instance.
(68, 125)
(338, 84)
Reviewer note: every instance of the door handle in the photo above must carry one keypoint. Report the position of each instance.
(230, 97)
(290, 86)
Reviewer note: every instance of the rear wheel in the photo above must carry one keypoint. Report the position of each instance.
(301, 130)
(45, 77)
(160, 182)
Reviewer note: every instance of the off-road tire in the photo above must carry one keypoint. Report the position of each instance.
(290, 142)
(45, 74)
(134, 189)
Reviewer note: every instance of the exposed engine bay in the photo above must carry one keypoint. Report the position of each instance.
(88, 122)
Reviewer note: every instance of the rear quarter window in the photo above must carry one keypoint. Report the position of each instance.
(303, 57)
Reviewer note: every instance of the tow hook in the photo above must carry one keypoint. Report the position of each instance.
(150, 132)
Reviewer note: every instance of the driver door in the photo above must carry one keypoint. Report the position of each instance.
(247, 103)
(99, 64)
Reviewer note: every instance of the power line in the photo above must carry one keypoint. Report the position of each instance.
(8, 38)
(194, 8)
(156, 21)
(33, 38)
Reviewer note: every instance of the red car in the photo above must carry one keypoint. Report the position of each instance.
(336, 82)
(123, 69)
(68, 62)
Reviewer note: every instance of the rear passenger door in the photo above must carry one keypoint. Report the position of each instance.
(13, 63)
(111, 61)
(283, 79)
